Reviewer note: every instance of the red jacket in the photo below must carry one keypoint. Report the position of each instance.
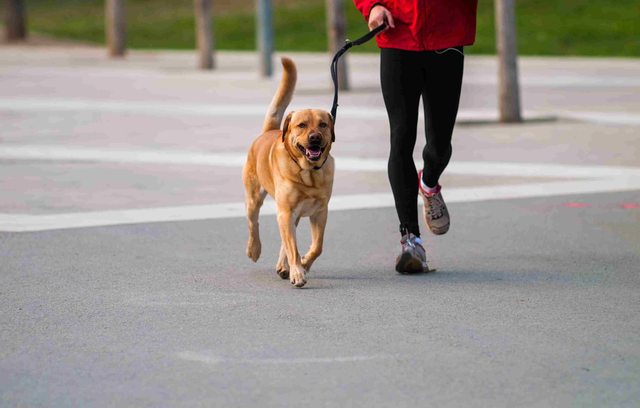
(423, 25)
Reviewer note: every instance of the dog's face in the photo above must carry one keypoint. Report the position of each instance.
(309, 133)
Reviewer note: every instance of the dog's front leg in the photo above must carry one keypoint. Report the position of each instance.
(282, 266)
(287, 224)
(318, 222)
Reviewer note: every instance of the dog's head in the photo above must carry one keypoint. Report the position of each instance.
(309, 133)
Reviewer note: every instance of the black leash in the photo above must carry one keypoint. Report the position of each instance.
(334, 64)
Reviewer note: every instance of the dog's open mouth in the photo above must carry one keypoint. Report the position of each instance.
(312, 152)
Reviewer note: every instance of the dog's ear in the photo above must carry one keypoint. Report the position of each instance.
(333, 131)
(285, 125)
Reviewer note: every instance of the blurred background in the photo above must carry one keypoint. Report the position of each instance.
(545, 27)
(123, 274)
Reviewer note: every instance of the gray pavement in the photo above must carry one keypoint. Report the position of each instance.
(535, 301)
(540, 313)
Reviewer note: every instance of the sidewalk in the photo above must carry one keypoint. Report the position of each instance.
(582, 85)
(123, 278)
(110, 129)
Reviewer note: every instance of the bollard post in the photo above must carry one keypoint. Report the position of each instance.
(204, 34)
(508, 87)
(336, 35)
(264, 34)
(15, 20)
(116, 27)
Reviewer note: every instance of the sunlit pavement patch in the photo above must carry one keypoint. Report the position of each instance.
(587, 179)
(208, 358)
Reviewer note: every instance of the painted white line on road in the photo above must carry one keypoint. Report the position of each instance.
(43, 104)
(232, 159)
(37, 105)
(128, 107)
(27, 222)
(56, 153)
(368, 75)
(214, 360)
(612, 118)
(559, 81)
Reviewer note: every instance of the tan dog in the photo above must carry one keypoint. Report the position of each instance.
(294, 167)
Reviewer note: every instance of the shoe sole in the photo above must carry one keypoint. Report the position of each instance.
(438, 231)
(406, 264)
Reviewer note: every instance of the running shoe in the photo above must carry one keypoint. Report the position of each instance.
(434, 210)
(413, 258)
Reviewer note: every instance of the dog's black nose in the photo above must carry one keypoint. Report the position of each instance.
(315, 138)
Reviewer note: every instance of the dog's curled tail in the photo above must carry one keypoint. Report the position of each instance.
(283, 96)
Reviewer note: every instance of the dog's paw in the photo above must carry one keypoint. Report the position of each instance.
(253, 250)
(283, 272)
(297, 278)
(282, 267)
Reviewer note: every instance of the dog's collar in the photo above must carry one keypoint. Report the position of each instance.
(286, 147)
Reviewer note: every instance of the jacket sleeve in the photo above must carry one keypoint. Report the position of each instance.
(365, 6)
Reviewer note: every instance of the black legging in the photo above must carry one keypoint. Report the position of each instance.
(405, 76)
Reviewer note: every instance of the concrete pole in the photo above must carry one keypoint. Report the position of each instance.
(204, 34)
(508, 87)
(15, 20)
(264, 34)
(116, 22)
(336, 35)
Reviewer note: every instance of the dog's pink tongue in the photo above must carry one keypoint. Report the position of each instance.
(313, 154)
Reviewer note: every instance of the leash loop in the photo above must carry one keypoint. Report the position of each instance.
(334, 63)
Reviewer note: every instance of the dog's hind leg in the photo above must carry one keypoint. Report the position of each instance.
(254, 197)
(318, 222)
(282, 267)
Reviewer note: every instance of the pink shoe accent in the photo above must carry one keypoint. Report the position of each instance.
(430, 192)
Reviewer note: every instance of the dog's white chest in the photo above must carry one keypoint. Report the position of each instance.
(308, 207)
(306, 178)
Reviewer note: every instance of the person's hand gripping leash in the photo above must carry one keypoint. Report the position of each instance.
(380, 15)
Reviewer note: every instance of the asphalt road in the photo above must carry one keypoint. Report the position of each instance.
(123, 279)
(544, 313)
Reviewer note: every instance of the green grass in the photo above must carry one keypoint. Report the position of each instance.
(545, 27)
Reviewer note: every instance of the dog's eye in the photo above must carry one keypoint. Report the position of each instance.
(302, 125)
(323, 125)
